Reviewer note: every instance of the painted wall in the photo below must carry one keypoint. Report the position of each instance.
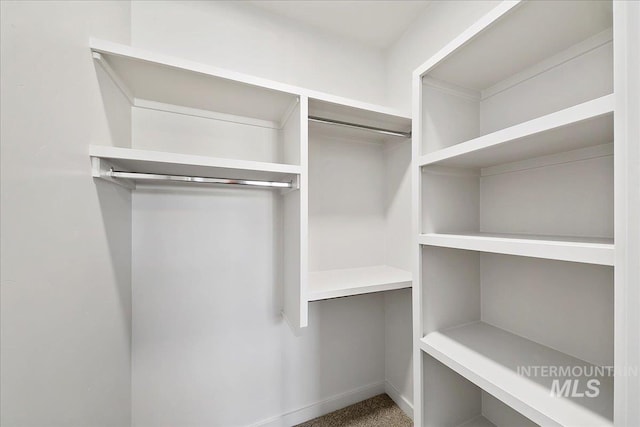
(209, 344)
(439, 23)
(241, 37)
(65, 254)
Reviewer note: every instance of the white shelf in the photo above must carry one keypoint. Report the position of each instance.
(489, 357)
(353, 114)
(176, 81)
(355, 281)
(575, 249)
(165, 79)
(478, 421)
(480, 57)
(157, 162)
(584, 125)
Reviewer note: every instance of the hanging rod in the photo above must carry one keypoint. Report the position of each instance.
(358, 126)
(196, 179)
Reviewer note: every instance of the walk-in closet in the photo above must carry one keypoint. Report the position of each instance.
(320, 213)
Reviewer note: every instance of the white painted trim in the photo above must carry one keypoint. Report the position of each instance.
(554, 61)
(323, 407)
(626, 58)
(402, 402)
(471, 32)
(206, 114)
(577, 155)
(416, 258)
(304, 211)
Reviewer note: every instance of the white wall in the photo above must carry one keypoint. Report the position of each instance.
(65, 276)
(439, 23)
(209, 344)
(241, 37)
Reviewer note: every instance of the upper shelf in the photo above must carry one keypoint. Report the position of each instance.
(356, 281)
(177, 81)
(481, 57)
(491, 358)
(156, 162)
(583, 125)
(396, 126)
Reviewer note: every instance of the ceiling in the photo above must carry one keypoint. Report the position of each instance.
(375, 23)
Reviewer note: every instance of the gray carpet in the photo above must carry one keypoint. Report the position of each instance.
(379, 411)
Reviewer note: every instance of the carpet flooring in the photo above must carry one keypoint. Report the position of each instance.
(379, 411)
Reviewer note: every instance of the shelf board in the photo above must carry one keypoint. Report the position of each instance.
(165, 79)
(157, 162)
(492, 49)
(169, 80)
(355, 281)
(358, 115)
(575, 249)
(478, 421)
(584, 125)
(490, 357)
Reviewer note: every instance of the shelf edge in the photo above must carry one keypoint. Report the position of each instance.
(582, 252)
(566, 117)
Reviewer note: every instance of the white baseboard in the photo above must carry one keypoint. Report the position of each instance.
(401, 401)
(323, 407)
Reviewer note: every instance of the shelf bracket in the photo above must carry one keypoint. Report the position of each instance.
(100, 168)
(97, 56)
(295, 185)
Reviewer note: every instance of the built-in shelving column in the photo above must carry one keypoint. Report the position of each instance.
(296, 220)
(627, 208)
(514, 185)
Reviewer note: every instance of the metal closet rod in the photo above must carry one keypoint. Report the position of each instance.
(358, 126)
(140, 176)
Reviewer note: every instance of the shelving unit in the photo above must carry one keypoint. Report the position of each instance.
(359, 199)
(513, 189)
(342, 164)
(490, 358)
